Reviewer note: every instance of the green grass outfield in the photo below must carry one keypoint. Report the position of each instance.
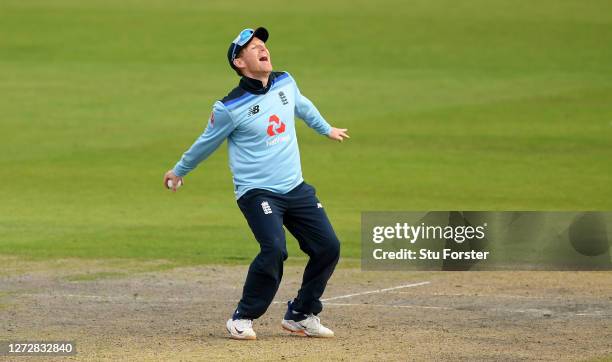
(472, 105)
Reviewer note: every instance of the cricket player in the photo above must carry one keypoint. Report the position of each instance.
(257, 119)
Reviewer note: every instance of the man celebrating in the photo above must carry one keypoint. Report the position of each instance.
(257, 119)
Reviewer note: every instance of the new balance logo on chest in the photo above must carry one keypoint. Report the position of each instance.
(253, 110)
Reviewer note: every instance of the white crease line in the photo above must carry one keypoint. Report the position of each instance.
(528, 310)
(597, 313)
(375, 291)
(385, 305)
(487, 295)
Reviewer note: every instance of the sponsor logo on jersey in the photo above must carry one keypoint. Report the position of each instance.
(276, 140)
(253, 110)
(275, 130)
(275, 126)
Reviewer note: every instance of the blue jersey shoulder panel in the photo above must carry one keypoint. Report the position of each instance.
(234, 96)
(279, 75)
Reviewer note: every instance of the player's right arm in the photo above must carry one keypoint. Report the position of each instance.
(220, 126)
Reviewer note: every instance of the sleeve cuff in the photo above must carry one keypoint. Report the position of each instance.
(328, 130)
(178, 171)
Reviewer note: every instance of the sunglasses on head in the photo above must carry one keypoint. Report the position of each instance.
(241, 39)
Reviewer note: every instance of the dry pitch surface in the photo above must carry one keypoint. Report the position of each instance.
(118, 310)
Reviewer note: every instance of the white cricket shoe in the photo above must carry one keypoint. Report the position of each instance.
(241, 329)
(309, 327)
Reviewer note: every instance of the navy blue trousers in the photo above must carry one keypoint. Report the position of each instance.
(302, 214)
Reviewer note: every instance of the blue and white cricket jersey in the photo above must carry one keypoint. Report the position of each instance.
(259, 125)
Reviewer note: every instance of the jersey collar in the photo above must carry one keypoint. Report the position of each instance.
(256, 86)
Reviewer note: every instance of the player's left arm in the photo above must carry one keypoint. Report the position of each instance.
(307, 111)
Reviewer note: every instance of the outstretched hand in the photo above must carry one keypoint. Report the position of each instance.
(338, 134)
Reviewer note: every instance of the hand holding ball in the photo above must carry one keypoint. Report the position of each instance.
(169, 180)
(170, 184)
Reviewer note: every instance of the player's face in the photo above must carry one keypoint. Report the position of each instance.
(255, 58)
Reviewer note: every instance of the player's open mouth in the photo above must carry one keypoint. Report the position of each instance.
(263, 59)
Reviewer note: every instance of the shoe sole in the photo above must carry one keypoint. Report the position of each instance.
(302, 333)
(297, 333)
(242, 338)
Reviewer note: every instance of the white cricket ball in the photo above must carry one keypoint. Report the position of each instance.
(170, 184)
